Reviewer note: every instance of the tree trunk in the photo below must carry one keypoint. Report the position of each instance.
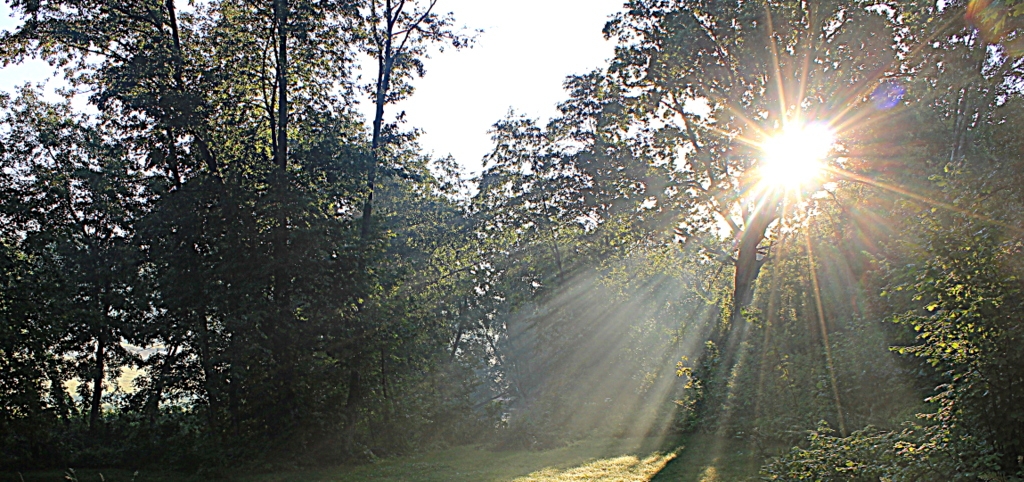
(383, 85)
(210, 376)
(97, 389)
(153, 402)
(728, 337)
(748, 265)
(281, 18)
(282, 343)
(384, 67)
(352, 409)
(199, 134)
(455, 343)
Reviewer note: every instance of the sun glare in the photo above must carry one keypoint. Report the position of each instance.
(794, 157)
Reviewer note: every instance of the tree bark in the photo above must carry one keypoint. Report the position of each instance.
(281, 18)
(153, 402)
(352, 408)
(388, 55)
(727, 338)
(455, 343)
(210, 377)
(748, 265)
(281, 284)
(97, 389)
(384, 66)
(179, 62)
(383, 85)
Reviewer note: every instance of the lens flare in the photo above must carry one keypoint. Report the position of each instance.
(793, 157)
(887, 95)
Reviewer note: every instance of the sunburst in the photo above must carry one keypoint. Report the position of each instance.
(795, 157)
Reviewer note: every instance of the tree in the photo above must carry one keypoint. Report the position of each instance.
(238, 226)
(73, 195)
(398, 35)
(961, 243)
(948, 267)
(714, 81)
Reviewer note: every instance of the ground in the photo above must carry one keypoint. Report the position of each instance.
(697, 458)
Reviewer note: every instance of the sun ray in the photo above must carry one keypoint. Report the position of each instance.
(824, 332)
(775, 64)
(812, 49)
(741, 138)
(738, 113)
(868, 83)
(850, 176)
(854, 119)
(773, 299)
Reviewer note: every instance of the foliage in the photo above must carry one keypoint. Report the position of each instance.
(222, 265)
(914, 453)
(968, 329)
(948, 275)
(201, 234)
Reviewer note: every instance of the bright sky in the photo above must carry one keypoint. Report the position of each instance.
(527, 49)
(520, 61)
(32, 71)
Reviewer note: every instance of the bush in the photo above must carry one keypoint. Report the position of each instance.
(915, 453)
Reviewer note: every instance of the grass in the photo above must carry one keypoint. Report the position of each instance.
(699, 458)
(91, 475)
(624, 459)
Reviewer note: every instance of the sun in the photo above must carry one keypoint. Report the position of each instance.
(793, 158)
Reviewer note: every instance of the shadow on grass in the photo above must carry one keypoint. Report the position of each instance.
(96, 475)
(695, 458)
(705, 458)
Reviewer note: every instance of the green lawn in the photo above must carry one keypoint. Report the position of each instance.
(697, 459)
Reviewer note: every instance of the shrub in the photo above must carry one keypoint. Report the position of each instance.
(915, 453)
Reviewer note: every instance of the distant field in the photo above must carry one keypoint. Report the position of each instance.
(697, 459)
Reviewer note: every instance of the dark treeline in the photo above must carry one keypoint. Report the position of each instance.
(221, 261)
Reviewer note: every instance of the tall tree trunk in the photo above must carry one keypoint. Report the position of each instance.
(199, 134)
(97, 388)
(172, 20)
(554, 242)
(153, 402)
(211, 379)
(60, 396)
(748, 265)
(389, 406)
(456, 342)
(282, 343)
(387, 56)
(383, 85)
(385, 65)
(281, 18)
(728, 336)
(384, 373)
(355, 397)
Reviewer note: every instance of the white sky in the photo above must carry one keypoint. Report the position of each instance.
(31, 71)
(527, 49)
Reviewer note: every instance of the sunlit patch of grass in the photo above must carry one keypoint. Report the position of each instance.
(625, 459)
(606, 459)
(627, 468)
(710, 474)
